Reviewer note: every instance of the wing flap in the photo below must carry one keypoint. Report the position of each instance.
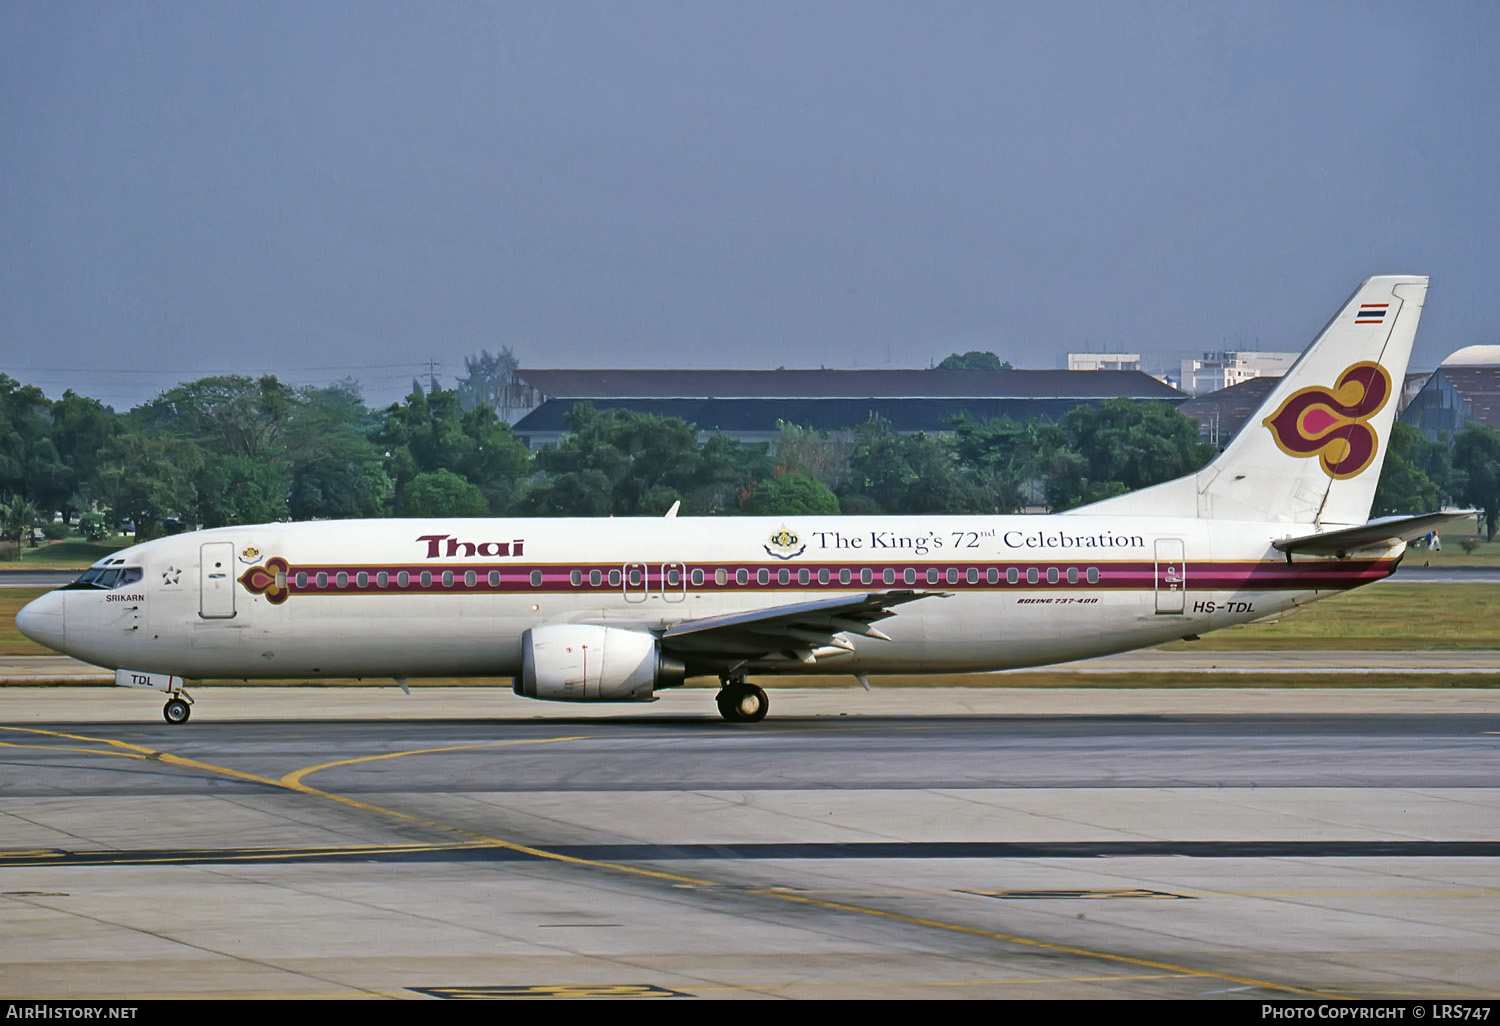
(797, 631)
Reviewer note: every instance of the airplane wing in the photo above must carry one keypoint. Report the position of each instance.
(1380, 532)
(801, 631)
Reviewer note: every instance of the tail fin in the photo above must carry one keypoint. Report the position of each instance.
(1313, 451)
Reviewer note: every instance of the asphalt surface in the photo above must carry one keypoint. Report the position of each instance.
(899, 843)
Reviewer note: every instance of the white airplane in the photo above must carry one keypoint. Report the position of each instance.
(615, 609)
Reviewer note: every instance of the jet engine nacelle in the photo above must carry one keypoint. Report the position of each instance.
(589, 663)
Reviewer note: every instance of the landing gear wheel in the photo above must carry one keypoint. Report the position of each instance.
(176, 711)
(740, 702)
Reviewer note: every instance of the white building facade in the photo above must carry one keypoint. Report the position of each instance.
(1221, 370)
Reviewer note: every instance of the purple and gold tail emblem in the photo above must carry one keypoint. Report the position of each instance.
(268, 580)
(1334, 424)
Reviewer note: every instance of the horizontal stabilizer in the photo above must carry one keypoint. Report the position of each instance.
(1381, 532)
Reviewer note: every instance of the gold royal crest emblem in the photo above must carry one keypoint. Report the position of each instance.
(785, 545)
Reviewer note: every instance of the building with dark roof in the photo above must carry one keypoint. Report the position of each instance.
(1221, 414)
(1454, 398)
(748, 405)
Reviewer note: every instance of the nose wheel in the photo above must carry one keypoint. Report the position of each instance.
(742, 702)
(177, 710)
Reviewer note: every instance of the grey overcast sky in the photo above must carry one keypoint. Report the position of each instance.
(327, 189)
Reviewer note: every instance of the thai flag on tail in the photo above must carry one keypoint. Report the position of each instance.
(1371, 313)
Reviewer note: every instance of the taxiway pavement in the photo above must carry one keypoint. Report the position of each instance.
(908, 842)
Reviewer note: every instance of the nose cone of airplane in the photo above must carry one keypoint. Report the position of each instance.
(42, 621)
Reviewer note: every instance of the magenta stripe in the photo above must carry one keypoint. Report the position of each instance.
(1217, 575)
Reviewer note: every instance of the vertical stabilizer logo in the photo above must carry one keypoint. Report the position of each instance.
(1333, 425)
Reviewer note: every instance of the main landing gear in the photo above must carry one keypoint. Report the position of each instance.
(741, 702)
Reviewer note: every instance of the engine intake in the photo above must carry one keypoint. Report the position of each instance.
(590, 663)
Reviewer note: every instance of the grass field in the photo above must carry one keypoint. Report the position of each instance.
(73, 553)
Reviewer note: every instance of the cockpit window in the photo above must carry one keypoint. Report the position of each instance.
(106, 578)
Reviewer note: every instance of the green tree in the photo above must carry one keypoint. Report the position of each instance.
(616, 461)
(30, 467)
(790, 494)
(440, 493)
(229, 414)
(1001, 458)
(894, 473)
(491, 381)
(272, 450)
(345, 479)
(81, 431)
(93, 526)
(1416, 475)
(727, 473)
(974, 360)
(239, 490)
(431, 431)
(145, 478)
(336, 471)
(1476, 467)
(1122, 446)
(816, 453)
(18, 520)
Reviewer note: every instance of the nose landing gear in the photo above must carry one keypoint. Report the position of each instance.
(741, 702)
(178, 708)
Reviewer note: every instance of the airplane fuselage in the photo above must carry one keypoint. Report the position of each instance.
(440, 597)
